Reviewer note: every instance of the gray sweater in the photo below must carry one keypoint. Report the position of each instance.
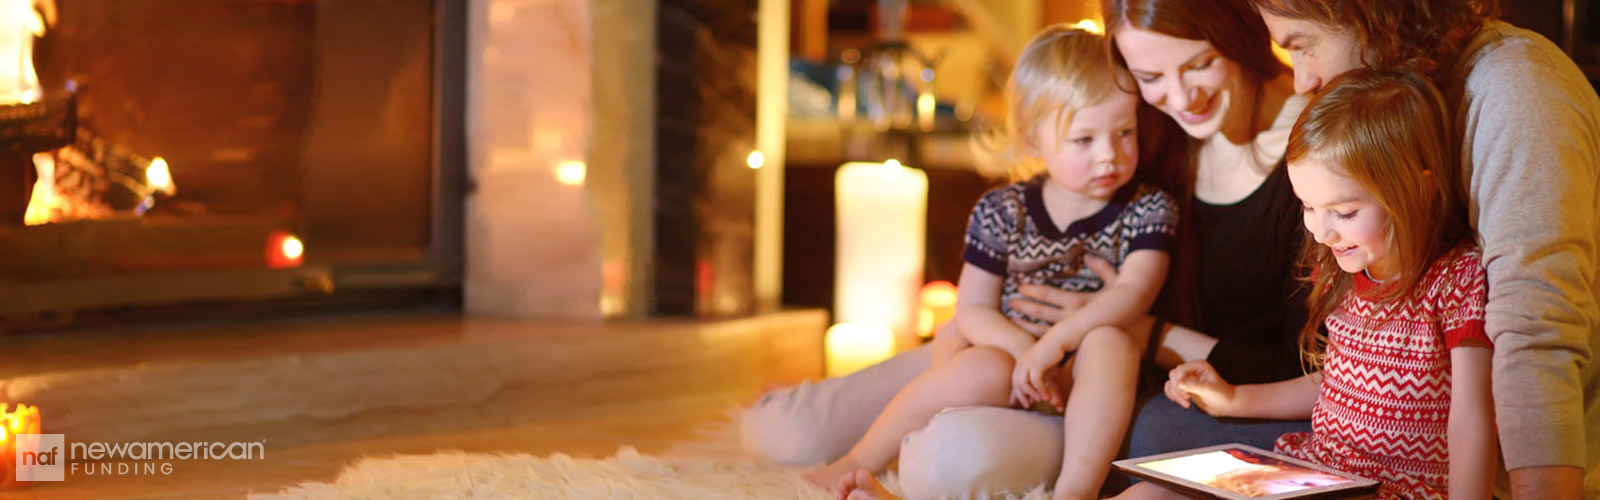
(1530, 124)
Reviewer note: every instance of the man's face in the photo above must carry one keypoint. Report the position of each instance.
(1318, 52)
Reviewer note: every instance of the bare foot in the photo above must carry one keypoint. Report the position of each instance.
(861, 486)
(830, 475)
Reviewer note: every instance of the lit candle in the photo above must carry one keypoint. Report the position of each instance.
(853, 346)
(881, 227)
(25, 420)
(284, 250)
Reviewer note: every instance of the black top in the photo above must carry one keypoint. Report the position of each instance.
(1249, 298)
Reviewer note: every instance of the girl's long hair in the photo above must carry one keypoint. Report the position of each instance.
(1389, 132)
(1062, 70)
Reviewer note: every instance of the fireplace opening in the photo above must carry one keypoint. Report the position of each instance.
(178, 151)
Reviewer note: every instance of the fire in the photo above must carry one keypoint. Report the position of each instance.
(20, 23)
(159, 178)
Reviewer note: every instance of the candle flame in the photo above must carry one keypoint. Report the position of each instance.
(292, 247)
(159, 176)
(755, 160)
(892, 163)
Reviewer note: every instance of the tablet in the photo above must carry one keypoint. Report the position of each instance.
(1240, 472)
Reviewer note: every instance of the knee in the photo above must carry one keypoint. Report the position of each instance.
(974, 452)
(777, 430)
(1109, 342)
(984, 369)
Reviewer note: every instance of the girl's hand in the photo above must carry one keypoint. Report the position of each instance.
(1033, 380)
(1052, 304)
(1197, 383)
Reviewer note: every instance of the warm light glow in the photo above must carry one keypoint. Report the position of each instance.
(1282, 54)
(43, 204)
(14, 426)
(937, 306)
(293, 248)
(755, 160)
(926, 107)
(284, 250)
(159, 177)
(19, 25)
(571, 173)
(1089, 25)
(892, 163)
(852, 346)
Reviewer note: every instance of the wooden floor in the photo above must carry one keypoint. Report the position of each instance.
(578, 388)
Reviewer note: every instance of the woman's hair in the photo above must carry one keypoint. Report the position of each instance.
(1423, 36)
(1231, 26)
(1389, 132)
(1062, 70)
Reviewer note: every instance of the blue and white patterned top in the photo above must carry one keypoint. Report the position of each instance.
(1011, 235)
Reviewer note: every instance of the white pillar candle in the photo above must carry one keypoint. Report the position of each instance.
(882, 223)
(853, 346)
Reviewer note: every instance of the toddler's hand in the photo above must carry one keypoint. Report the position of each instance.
(1197, 383)
(1033, 380)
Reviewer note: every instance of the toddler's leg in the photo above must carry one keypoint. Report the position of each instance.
(1148, 491)
(1106, 368)
(979, 375)
(946, 342)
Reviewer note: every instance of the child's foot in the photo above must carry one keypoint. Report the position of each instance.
(860, 485)
(830, 475)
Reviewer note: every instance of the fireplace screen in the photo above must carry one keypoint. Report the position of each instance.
(147, 136)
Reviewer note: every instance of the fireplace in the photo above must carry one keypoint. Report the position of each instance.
(185, 143)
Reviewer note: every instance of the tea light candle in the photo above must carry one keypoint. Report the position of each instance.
(24, 420)
(881, 227)
(853, 346)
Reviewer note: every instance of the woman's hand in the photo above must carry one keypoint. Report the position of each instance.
(1052, 304)
(1197, 383)
(1034, 378)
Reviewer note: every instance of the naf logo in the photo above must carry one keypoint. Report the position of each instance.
(41, 457)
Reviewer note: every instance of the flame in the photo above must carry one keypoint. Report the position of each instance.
(292, 248)
(20, 23)
(159, 177)
(44, 205)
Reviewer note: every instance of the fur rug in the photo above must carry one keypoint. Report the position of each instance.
(627, 475)
(712, 467)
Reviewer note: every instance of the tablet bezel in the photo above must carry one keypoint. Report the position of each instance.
(1359, 487)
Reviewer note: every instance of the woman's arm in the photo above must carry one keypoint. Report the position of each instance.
(1118, 304)
(1473, 446)
(978, 315)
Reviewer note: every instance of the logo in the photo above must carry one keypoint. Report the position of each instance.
(41, 457)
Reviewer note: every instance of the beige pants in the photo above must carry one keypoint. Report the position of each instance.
(963, 452)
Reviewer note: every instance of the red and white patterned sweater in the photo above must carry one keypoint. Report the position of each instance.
(1384, 407)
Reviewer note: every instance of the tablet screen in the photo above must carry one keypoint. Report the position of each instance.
(1243, 472)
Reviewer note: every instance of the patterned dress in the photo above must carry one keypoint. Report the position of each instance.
(1011, 235)
(1384, 407)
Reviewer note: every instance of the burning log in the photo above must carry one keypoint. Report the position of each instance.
(26, 129)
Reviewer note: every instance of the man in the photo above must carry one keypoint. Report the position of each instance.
(1531, 142)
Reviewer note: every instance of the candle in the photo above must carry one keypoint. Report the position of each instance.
(853, 346)
(937, 306)
(25, 420)
(284, 250)
(881, 227)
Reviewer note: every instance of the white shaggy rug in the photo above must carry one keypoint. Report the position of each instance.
(627, 475)
(711, 468)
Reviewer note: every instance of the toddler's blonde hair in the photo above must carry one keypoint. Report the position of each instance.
(1062, 70)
